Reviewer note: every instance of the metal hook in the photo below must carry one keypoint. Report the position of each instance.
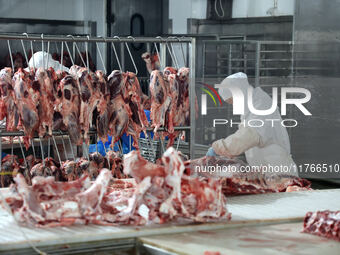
(56, 148)
(87, 53)
(100, 55)
(171, 54)
(10, 55)
(74, 158)
(69, 53)
(75, 44)
(56, 47)
(114, 49)
(42, 49)
(33, 149)
(24, 50)
(31, 51)
(159, 58)
(183, 55)
(42, 151)
(22, 152)
(62, 56)
(161, 64)
(63, 142)
(48, 53)
(128, 49)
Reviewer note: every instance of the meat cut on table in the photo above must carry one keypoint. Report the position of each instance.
(158, 194)
(238, 182)
(323, 223)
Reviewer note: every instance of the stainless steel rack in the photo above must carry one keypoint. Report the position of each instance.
(163, 45)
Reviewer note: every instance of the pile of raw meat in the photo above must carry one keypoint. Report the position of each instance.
(243, 183)
(157, 194)
(324, 223)
(65, 171)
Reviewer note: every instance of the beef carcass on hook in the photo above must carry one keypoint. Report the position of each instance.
(160, 101)
(133, 96)
(89, 97)
(102, 112)
(27, 98)
(119, 112)
(68, 106)
(9, 109)
(46, 80)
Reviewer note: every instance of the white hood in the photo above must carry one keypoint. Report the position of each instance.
(40, 59)
(270, 133)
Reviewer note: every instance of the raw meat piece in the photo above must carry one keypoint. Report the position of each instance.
(134, 98)
(90, 199)
(152, 61)
(160, 101)
(119, 113)
(116, 164)
(97, 162)
(236, 182)
(167, 193)
(68, 105)
(10, 167)
(27, 98)
(297, 188)
(175, 116)
(45, 80)
(8, 107)
(323, 223)
(89, 97)
(69, 170)
(102, 119)
(51, 168)
(158, 194)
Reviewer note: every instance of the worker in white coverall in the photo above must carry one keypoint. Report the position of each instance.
(267, 145)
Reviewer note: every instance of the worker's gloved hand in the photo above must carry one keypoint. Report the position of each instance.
(220, 149)
(211, 153)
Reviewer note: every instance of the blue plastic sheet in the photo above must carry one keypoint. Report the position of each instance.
(126, 142)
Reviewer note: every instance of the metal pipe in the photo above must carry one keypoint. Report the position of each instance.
(192, 98)
(21, 133)
(93, 39)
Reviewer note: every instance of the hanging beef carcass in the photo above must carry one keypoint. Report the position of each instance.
(46, 79)
(183, 79)
(152, 61)
(134, 98)
(176, 118)
(118, 111)
(9, 109)
(160, 101)
(68, 105)
(57, 117)
(27, 97)
(89, 98)
(99, 81)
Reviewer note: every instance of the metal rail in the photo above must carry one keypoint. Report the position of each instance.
(54, 133)
(96, 39)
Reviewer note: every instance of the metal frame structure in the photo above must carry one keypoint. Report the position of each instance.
(86, 39)
(258, 59)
